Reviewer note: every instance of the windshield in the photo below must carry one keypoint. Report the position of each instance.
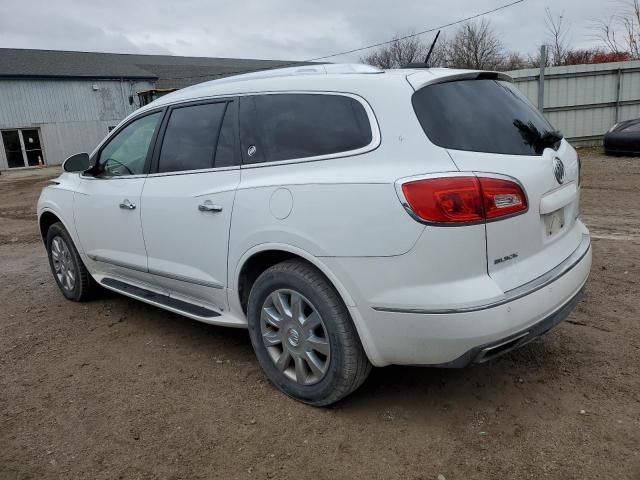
(485, 115)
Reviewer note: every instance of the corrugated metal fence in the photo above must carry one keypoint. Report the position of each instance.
(584, 101)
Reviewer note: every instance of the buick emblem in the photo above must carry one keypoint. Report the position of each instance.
(558, 170)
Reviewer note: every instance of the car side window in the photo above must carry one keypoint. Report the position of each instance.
(277, 127)
(226, 152)
(126, 153)
(198, 137)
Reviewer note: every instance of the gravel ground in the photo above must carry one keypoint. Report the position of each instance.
(114, 388)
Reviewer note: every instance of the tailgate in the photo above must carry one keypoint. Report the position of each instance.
(489, 127)
(524, 247)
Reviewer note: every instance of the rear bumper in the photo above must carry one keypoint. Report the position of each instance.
(455, 338)
(491, 350)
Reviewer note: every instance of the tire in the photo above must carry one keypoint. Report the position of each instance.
(328, 341)
(64, 258)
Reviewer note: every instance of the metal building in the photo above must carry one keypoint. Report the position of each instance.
(56, 103)
(584, 101)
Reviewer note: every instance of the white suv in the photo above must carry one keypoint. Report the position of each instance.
(348, 216)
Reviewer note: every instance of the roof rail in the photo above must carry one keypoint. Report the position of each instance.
(416, 65)
(310, 69)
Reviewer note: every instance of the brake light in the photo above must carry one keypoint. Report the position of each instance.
(501, 197)
(464, 199)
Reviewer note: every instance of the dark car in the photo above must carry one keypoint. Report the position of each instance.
(623, 138)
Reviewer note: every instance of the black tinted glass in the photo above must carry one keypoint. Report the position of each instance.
(288, 126)
(190, 138)
(226, 149)
(483, 116)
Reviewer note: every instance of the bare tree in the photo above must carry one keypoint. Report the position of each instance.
(557, 30)
(513, 61)
(534, 60)
(397, 53)
(620, 33)
(475, 45)
(631, 27)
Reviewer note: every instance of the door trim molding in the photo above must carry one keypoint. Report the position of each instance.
(117, 263)
(182, 278)
(158, 273)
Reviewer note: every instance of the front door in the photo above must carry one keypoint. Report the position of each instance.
(187, 202)
(107, 202)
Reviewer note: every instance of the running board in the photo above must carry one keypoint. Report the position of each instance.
(158, 298)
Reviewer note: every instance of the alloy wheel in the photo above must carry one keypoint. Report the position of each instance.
(63, 265)
(295, 336)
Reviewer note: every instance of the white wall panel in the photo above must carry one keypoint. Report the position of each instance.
(579, 100)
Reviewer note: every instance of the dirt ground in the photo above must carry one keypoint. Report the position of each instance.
(114, 388)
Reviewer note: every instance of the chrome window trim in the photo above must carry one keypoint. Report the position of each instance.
(376, 136)
(194, 171)
(510, 295)
(116, 177)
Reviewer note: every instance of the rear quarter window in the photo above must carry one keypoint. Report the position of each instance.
(486, 115)
(276, 127)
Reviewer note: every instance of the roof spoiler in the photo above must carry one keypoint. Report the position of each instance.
(420, 79)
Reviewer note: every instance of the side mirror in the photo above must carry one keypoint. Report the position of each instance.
(77, 163)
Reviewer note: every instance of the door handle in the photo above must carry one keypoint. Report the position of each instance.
(127, 205)
(208, 206)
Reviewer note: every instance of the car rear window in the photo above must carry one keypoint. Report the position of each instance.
(276, 127)
(484, 115)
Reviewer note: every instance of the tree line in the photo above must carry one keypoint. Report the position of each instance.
(477, 44)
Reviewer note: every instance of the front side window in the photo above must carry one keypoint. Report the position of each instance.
(198, 137)
(277, 127)
(484, 115)
(127, 152)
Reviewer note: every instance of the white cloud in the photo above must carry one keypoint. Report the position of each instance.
(278, 29)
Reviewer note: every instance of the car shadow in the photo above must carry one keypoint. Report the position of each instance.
(407, 386)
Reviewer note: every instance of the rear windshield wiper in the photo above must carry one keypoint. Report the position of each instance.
(537, 139)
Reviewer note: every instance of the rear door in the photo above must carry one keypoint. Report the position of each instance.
(490, 128)
(188, 200)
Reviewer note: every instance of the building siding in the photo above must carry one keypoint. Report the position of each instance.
(72, 116)
(580, 100)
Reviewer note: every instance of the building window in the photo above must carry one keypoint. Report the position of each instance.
(23, 147)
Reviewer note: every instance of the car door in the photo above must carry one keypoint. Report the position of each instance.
(107, 202)
(188, 198)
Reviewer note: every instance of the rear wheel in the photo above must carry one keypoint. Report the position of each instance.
(303, 335)
(69, 272)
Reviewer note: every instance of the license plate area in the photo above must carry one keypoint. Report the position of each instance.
(554, 222)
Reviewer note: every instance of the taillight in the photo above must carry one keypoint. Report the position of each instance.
(501, 197)
(463, 199)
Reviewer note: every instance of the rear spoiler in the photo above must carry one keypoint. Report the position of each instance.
(419, 79)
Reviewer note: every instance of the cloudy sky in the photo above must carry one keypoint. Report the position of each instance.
(270, 29)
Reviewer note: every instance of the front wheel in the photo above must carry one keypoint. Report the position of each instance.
(303, 335)
(69, 272)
